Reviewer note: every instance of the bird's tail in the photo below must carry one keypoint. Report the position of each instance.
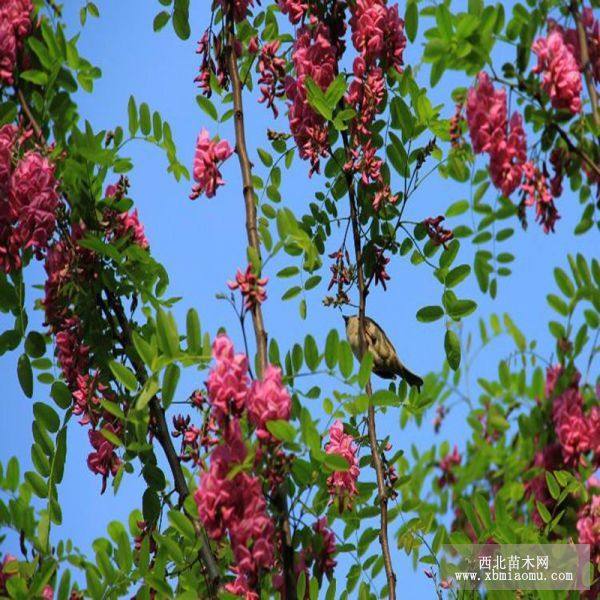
(411, 378)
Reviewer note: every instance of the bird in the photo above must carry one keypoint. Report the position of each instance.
(386, 363)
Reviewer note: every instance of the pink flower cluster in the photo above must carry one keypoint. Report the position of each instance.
(15, 25)
(536, 192)
(588, 527)
(490, 131)
(570, 36)
(342, 484)
(561, 76)
(378, 36)
(378, 33)
(125, 225)
(294, 9)
(28, 201)
(251, 287)
(210, 153)
(447, 465)
(315, 56)
(236, 506)
(577, 432)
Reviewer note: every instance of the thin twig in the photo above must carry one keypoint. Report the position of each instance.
(372, 429)
(280, 496)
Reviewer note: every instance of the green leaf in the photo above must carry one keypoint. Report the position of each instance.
(123, 375)
(25, 375)
(38, 485)
(564, 283)
(335, 462)
(428, 314)
(411, 19)
(331, 348)
(133, 116)
(168, 337)
(452, 348)
(311, 353)
(552, 484)
(366, 366)
(145, 119)
(181, 19)
(35, 345)
(183, 525)
(61, 394)
(169, 385)
(282, 430)
(193, 332)
(456, 275)
(160, 20)
(11, 478)
(47, 416)
(544, 513)
(208, 107)
(150, 506)
(143, 348)
(346, 358)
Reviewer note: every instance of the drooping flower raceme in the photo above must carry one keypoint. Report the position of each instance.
(561, 78)
(491, 133)
(210, 154)
(342, 484)
(236, 506)
(228, 380)
(15, 25)
(315, 56)
(268, 400)
(536, 192)
(588, 527)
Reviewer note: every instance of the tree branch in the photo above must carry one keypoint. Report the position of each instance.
(279, 498)
(371, 424)
(585, 61)
(163, 436)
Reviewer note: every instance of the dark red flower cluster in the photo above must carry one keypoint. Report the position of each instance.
(271, 69)
(29, 200)
(436, 232)
(251, 287)
(447, 465)
(240, 8)
(491, 132)
(318, 553)
(536, 192)
(15, 25)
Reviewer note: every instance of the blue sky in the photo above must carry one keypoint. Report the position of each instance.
(202, 243)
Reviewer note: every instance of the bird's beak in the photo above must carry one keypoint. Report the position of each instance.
(345, 319)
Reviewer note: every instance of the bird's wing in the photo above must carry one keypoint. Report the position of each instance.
(385, 348)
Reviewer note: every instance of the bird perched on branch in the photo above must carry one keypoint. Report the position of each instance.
(386, 363)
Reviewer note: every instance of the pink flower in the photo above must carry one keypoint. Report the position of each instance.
(537, 193)
(128, 225)
(236, 506)
(48, 592)
(103, 461)
(553, 374)
(15, 24)
(571, 426)
(588, 527)
(35, 198)
(490, 132)
(436, 232)
(447, 465)
(325, 563)
(508, 156)
(314, 56)
(486, 114)
(210, 153)
(228, 380)
(561, 77)
(294, 9)
(342, 484)
(251, 287)
(268, 400)
(378, 33)
(4, 575)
